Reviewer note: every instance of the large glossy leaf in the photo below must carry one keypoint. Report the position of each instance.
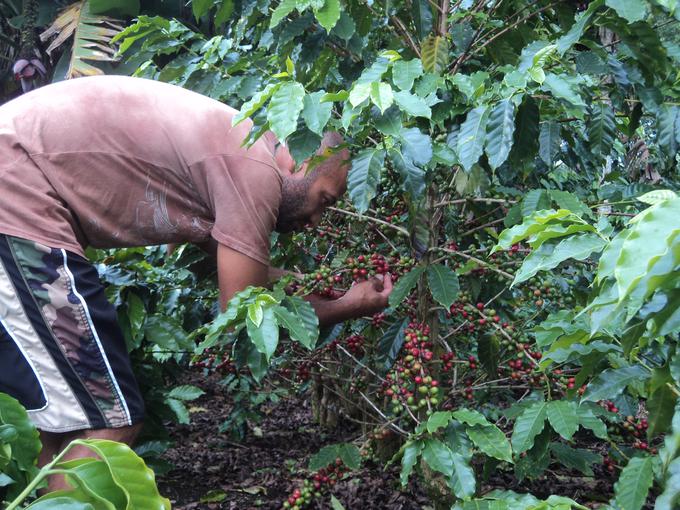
(651, 236)
(282, 10)
(186, 392)
(316, 113)
(549, 141)
(412, 104)
(93, 36)
(533, 224)
(60, 503)
(381, 95)
(491, 440)
(500, 129)
(129, 472)
(329, 14)
(302, 313)
(563, 417)
(412, 175)
(575, 458)
(565, 87)
(434, 53)
(284, 109)
(405, 285)
(443, 284)
(462, 480)
(26, 446)
(578, 247)
(668, 129)
(527, 426)
(438, 456)
(412, 450)
(631, 490)
(661, 405)
(631, 10)
(404, 73)
(364, 176)
(472, 136)
(601, 128)
(610, 383)
(525, 139)
(591, 422)
(416, 145)
(255, 103)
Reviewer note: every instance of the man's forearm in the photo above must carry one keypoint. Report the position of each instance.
(332, 311)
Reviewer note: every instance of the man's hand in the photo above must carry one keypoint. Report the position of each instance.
(365, 298)
(371, 296)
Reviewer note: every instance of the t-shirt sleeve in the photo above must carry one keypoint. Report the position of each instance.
(244, 195)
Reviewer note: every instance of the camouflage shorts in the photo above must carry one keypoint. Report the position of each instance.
(62, 354)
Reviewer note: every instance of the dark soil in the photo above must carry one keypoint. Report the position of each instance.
(261, 471)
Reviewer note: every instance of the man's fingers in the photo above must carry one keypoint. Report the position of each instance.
(387, 284)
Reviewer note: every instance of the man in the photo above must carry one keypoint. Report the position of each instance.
(111, 162)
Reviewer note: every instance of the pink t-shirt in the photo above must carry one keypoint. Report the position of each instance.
(112, 161)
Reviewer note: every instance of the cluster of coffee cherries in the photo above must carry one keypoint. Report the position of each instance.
(214, 362)
(609, 463)
(609, 406)
(410, 382)
(314, 486)
(353, 343)
(638, 428)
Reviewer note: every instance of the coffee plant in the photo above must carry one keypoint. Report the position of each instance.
(514, 169)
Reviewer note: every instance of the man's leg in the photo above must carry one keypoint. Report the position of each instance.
(58, 442)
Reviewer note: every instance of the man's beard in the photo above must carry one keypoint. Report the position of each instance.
(291, 210)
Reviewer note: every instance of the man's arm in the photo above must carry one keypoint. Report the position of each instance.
(236, 271)
(365, 298)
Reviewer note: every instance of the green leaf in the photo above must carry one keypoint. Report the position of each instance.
(660, 405)
(324, 457)
(575, 458)
(472, 136)
(581, 21)
(364, 176)
(591, 422)
(462, 480)
(412, 175)
(281, 11)
(421, 13)
(434, 54)
(255, 313)
(668, 129)
(567, 200)
(500, 130)
(527, 426)
(381, 95)
(120, 8)
(224, 12)
(284, 109)
(180, 410)
(632, 11)
(443, 284)
(651, 235)
(630, 491)
(578, 247)
(186, 392)
(549, 142)
(335, 503)
(200, 7)
(315, 113)
(329, 14)
(610, 383)
(303, 144)
(656, 196)
(412, 450)
(412, 105)
(471, 417)
(404, 73)
(563, 87)
(491, 440)
(391, 341)
(255, 103)
(166, 332)
(405, 285)
(416, 146)
(301, 318)
(60, 503)
(488, 350)
(534, 222)
(438, 420)
(27, 446)
(438, 456)
(129, 472)
(525, 139)
(350, 455)
(563, 418)
(601, 128)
